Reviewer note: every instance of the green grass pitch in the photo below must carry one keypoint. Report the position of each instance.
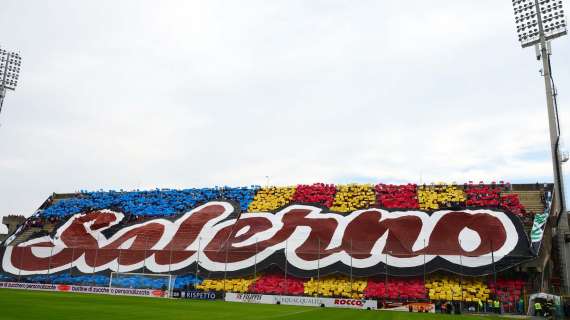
(20, 304)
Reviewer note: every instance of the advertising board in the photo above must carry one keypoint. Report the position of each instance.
(85, 289)
(302, 301)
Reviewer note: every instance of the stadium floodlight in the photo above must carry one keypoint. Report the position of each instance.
(535, 18)
(10, 63)
(538, 22)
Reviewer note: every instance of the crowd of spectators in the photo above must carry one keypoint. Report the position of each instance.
(483, 195)
(395, 288)
(317, 193)
(338, 198)
(269, 199)
(397, 196)
(159, 202)
(277, 283)
(240, 285)
(454, 288)
(336, 286)
(512, 203)
(508, 291)
(436, 196)
(352, 197)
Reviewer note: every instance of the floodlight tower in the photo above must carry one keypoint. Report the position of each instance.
(9, 72)
(538, 22)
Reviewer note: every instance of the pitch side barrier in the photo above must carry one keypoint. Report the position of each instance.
(302, 301)
(85, 289)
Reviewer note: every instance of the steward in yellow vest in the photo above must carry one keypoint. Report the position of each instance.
(497, 306)
(537, 309)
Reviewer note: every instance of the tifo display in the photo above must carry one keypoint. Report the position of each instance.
(337, 198)
(213, 238)
(355, 241)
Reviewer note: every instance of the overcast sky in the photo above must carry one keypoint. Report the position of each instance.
(174, 94)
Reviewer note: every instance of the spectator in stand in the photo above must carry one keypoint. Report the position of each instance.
(317, 193)
(397, 196)
(480, 196)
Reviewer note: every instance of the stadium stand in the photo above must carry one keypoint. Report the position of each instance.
(508, 290)
(140, 206)
(453, 288)
(180, 282)
(483, 195)
(341, 198)
(318, 193)
(336, 286)
(352, 197)
(277, 284)
(271, 198)
(511, 203)
(531, 200)
(26, 234)
(157, 202)
(395, 289)
(436, 196)
(397, 197)
(240, 285)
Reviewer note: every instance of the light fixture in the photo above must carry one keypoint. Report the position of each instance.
(532, 15)
(10, 63)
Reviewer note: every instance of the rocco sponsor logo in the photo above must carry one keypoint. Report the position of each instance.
(349, 302)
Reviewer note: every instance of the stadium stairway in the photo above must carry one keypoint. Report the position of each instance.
(24, 236)
(531, 200)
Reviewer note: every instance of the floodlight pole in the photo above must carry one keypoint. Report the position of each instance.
(554, 146)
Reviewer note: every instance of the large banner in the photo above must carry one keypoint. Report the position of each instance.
(213, 239)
